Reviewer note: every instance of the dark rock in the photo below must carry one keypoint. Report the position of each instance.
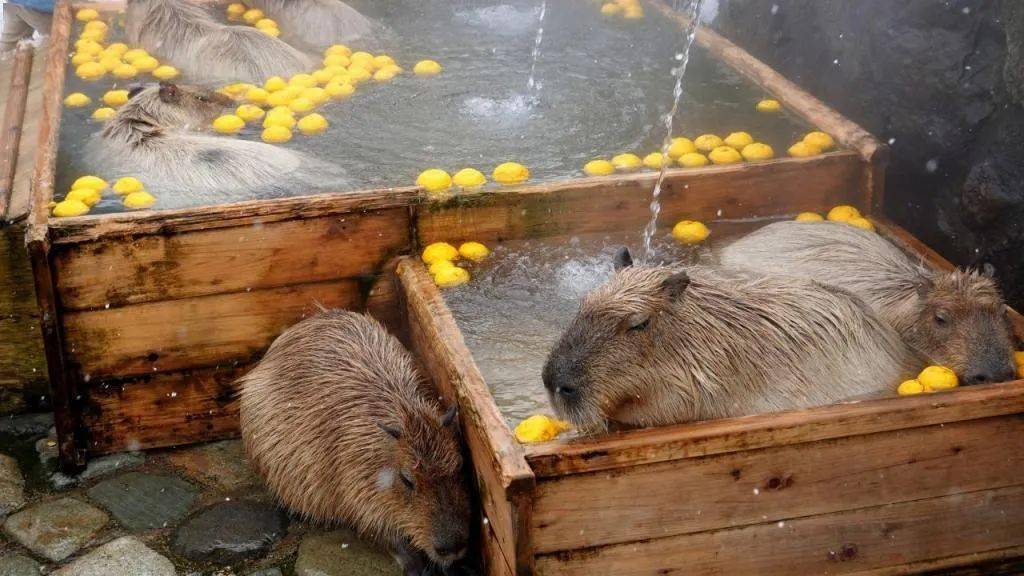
(99, 467)
(340, 553)
(145, 501)
(230, 532)
(26, 424)
(122, 557)
(56, 529)
(19, 565)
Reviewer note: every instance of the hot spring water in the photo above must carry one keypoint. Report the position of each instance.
(606, 89)
(526, 293)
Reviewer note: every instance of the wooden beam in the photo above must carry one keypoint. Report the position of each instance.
(879, 540)
(14, 117)
(652, 445)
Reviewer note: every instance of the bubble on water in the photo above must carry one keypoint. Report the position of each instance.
(504, 19)
(514, 107)
(931, 165)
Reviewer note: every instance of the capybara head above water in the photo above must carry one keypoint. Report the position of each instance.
(176, 105)
(341, 426)
(962, 324)
(662, 345)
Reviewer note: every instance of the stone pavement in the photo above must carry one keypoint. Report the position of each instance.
(195, 511)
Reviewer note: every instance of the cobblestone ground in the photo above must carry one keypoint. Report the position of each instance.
(197, 511)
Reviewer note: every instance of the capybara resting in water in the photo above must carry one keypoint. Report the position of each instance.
(315, 24)
(341, 427)
(154, 136)
(663, 345)
(956, 319)
(206, 50)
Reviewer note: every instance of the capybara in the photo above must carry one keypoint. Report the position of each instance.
(316, 24)
(666, 344)
(956, 319)
(208, 51)
(340, 425)
(154, 136)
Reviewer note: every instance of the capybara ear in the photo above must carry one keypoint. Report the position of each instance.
(675, 285)
(924, 287)
(988, 270)
(170, 93)
(134, 90)
(623, 259)
(449, 416)
(392, 431)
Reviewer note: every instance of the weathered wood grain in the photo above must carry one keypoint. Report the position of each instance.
(175, 335)
(776, 483)
(651, 445)
(503, 476)
(116, 272)
(13, 121)
(878, 539)
(622, 202)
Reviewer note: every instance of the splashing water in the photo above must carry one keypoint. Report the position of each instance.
(532, 83)
(682, 58)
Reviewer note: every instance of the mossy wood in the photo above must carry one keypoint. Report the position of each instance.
(149, 317)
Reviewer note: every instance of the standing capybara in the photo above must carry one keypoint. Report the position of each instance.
(155, 135)
(206, 50)
(956, 319)
(341, 427)
(663, 345)
(316, 24)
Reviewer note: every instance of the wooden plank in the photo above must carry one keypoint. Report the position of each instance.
(194, 332)
(21, 192)
(495, 563)
(796, 99)
(622, 202)
(123, 271)
(162, 410)
(246, 213)
(651, 445)
(772, 484)
(14, 116)
(504, 478)
(22, 366)
(854, 542)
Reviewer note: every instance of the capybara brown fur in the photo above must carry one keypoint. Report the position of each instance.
(340, 425)
(666, 344)
(208, 51)
(956, 319)
(156, 136)
(316, 24)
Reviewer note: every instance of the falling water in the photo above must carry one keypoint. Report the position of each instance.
(532, 83)
(682, 57)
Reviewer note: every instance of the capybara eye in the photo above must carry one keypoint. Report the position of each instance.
(639, 322)
(407, 480)
(941, 318)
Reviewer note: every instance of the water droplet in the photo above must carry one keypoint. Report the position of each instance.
(931, 165)
(775, 9)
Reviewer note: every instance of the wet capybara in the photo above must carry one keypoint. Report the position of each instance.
(340, 425)
(956, 319)
(663, 345)
(316, 24)
(155, 136)
(206, 50)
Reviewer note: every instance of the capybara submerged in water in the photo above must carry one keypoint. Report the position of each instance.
(206, 50)
(341, 426)
(154, 136)
(316, 24)
(956, 319)
(663, 345)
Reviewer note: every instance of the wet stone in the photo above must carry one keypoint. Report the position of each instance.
(99, 467)
(12, 486)
(19, 565)
(340, 553)
(265, 572)
(122, 557)
(144, 501)
(26, 424)
(230, 532)
(222, 464)
(56, 529)
(47, 449)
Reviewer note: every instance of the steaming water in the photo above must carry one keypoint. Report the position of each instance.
(683, 57)
(521, 299)
(604, 81)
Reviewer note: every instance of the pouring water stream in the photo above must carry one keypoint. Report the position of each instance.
(682, 57)
(531, 84)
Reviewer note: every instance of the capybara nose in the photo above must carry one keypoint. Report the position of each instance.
(987, 377)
